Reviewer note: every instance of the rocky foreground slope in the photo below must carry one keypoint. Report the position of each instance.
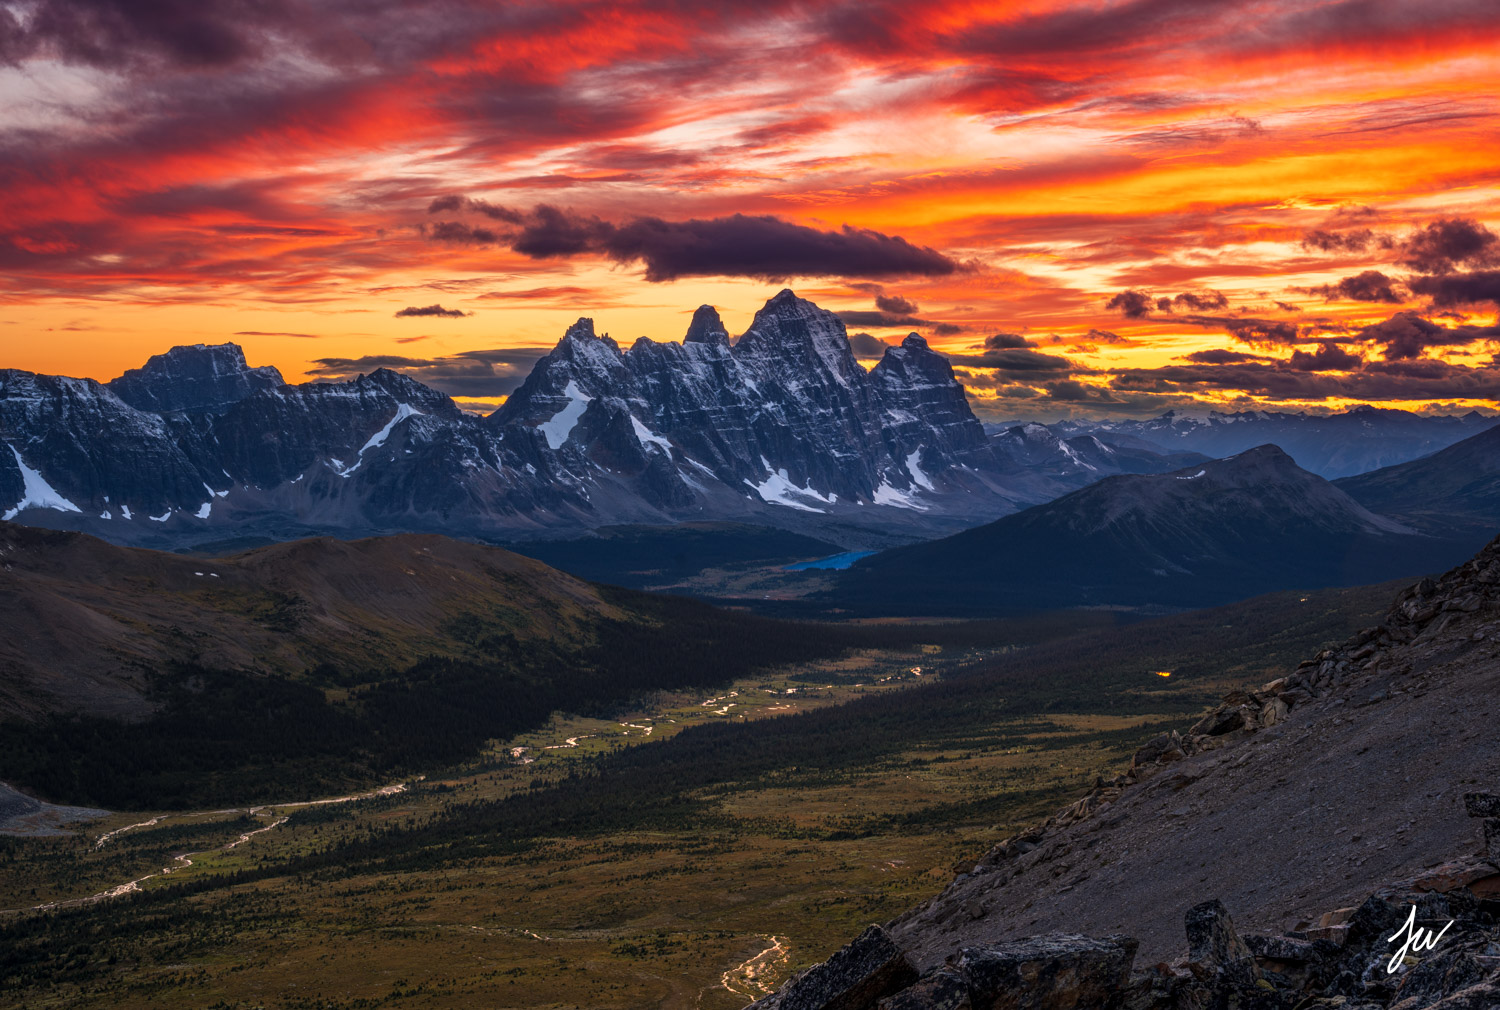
(1315, 811)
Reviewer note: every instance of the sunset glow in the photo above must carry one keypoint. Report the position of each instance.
(1094, 208)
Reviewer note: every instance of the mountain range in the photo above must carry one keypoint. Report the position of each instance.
(1456, 489)
(1360, 439)
(1210, 533)
(781, 427)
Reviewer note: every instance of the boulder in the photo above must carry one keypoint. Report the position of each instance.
(1282, 948)
(1449, 970)
(1224, 719)
(855, 978)
(1059, 971)
(1215, 950)
(944, 989)
(1484, 996)
(1482, 804)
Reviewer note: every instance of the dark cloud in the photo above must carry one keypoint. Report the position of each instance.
(867, 346)
(874, 317)
(1408, 335)
(892, 312)
(1288, 307)
(1448, 243)
(1329, 357)
(461, 234)
(1460, 289)
(770, 249)
(550, 232)
(454, 203)
(1400, 380)
(1222, 356)
(112, 33)
(431, 310)
(1001, 341)
(1020, 360)
(484, 373)
(1356, 240)
(1133, 304)
(1073, 391)
(1189, 300)
(275, 333)
(765, 247)
(1368, 286)
(1256, 332)
(896, 304)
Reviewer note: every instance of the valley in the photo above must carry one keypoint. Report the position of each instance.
(687, 850)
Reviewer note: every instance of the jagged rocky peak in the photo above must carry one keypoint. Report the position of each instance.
(706, 328)
(404, 389)
(792, 331)
(581, 329)
(194, 377)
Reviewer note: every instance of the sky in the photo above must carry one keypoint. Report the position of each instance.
(1096, 209)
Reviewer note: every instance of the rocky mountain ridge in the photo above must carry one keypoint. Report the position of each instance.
(1456, 489)
(1355, 441)
(1322, 808)
(782, 427)
(1212, 532)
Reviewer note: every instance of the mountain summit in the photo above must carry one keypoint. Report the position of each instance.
(1216, 531)
(781, 426)
(197, 377)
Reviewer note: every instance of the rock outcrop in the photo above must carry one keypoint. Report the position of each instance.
(1334, 810)
(200, 377)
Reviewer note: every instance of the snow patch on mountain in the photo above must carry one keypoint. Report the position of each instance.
(778, 489)
(403, 411)
(557, 430)
(886, 494)
(913, 467)
(37, 493)
(647, 438)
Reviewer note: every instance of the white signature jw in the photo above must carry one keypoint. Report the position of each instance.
(1417, 939)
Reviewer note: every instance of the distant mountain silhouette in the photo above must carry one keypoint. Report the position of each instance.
(1214, 532)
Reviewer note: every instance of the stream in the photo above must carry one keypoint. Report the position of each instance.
(186, 859)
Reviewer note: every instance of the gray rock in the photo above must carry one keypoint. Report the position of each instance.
(1482, 804)
(1214, 948)
(1282, 948)
(1059, 971)
(942, 990)
(1443, 973)
(855, 978)
(1484, 996)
